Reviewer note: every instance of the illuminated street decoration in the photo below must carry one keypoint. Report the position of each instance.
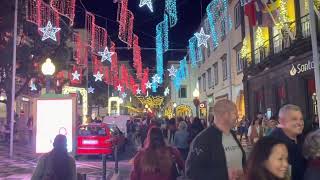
(118, 102)
(98, 76)
(202, 38)
(119, 87)
(138, 91)
(181, 74)
(195, 53)
(172, 71)
(162, 44)
(33, 87)
(105, 55)
(84, 95)
(75, 76)
(49, 32)
(183, 110)
(246, 49)
(151, 101)
(124, 95)
(171, 10)
(148, 85)
(90, 90)
(146, 2)
(156, 79)
(166, 91)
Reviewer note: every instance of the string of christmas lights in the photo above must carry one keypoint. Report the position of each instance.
(137, 62)
(125, 18)
(171, 10)
(65, 8)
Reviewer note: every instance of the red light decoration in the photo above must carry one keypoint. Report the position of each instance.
(90, 27)
(145, 79)
(77, 70)
(107, 78)
(80, 53)
(65, 8)
(125, 18)
(137, 63)
(100, 38)
(124, 75)
(40, 13)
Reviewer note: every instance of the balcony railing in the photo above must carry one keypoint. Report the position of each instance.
(281, 41)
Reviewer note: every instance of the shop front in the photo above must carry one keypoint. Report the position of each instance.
(290, 82)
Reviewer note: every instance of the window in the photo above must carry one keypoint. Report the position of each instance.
(204, 83)
(239, 62)
(237, 15)
(223, 30)
(209, 78)
(215, 74)
(183, 92)
(224, 67)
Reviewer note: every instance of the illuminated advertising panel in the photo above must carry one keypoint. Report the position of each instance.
(53, 117)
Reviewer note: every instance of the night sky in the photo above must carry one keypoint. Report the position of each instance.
(189, 18)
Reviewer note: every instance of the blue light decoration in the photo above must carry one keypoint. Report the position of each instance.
(195, 52)
(154, 87)
(181, 74)
(162, 44)
(171, 10)
(219, 15)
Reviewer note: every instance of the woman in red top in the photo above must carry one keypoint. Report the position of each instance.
(156, 160)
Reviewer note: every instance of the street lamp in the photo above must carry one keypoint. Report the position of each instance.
(48, 69)
(174, 108)
(196, 100)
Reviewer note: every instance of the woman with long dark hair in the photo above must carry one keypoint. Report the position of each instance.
(156, 160)
(268, 160)
(57, 164)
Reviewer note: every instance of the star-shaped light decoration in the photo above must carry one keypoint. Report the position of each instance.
(119, 87)
(146, 2)
(166, 91)
(138, 91)
(105, 55)
(156, 79)
(90, 90)
(33, 87)
(148, 85)
(49, 32)
(98, 76)
(75, 76)
(124, 95)
(202, 38)
(172, 71)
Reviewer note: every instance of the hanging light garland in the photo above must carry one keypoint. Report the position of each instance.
(171, 10)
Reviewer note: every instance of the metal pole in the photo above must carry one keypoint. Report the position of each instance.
(104, 166)
(229, 65)
(47, 84)
(13, 87)
(315, 52)
(116, 163)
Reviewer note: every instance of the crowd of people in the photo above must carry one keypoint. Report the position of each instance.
(185, 148)
(280, 149)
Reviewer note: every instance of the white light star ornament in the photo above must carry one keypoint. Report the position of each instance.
(105, 55)
(172, 71)
(75, 76)
(119, 87)
(49, 32)
(138, 91)
(146, 2)
(33, 87)
(90, 90)
(156, 79)
(148, 85)
(202, 38)
(98, 76)
(166, 91)
(124, 95)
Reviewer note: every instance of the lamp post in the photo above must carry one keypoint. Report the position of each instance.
(196, 100)
(48, 69)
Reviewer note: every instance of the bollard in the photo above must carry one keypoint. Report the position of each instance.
(104, 167)
(116, 165)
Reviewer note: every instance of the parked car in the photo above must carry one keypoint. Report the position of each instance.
(98, 139)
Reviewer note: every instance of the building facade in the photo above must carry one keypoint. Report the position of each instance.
(280, 71)
(220, 73)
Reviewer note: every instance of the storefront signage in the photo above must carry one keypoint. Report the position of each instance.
(300, 68)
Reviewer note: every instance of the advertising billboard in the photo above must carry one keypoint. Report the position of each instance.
(54, 116)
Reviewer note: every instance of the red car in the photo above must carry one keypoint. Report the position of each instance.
(99, 138)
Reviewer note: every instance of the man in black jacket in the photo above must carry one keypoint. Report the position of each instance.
(289, 131)
(216, 153)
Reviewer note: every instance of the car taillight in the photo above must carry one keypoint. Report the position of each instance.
(90, 142)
